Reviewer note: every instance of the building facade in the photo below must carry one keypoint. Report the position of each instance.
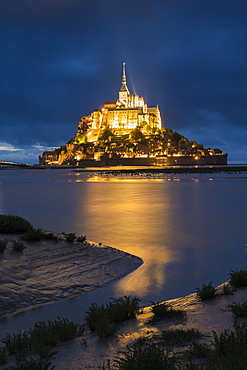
(126, 113)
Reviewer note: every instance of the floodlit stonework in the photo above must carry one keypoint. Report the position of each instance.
(125, 114)
(128, 132)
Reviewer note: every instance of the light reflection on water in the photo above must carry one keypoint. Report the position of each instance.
(187, 229)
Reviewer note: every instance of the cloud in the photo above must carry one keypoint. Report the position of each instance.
(62, 59)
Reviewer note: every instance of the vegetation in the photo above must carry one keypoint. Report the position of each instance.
(70, 237)
(3, 245)
(38, 234)
(32, 365)
(104, 319)
(206, 291)
(18, 245)
(238, 278)
(13, 224)
(238, 309)
(147, 357)
(81, 239)
(227, 351)
(164, 310)
(227, 289)
(180, 336)
(39, 340)
(3, 356)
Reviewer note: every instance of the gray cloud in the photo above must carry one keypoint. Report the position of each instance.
(62, 59)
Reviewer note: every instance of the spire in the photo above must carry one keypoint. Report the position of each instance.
(124, 82)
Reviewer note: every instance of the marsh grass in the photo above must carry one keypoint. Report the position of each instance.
(123, 308)
(238, 278)
(3, 356)
(164, 310)
(206, 291)
(3, 245)
(227, 289)
(104, 319)
(50, 236)
(150, 356)
(71, 237)
(10, 224)
(226, 351)
(238, 309)
(18, 245)
(82, 239)
(200, 350)
(41, 338)
(37, 235)
(17, 344)
(32, 364)
(180, 336)
(105, 328)
(51, 332)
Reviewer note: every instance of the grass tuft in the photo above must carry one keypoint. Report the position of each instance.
(206, 291)
(3, 356)
(180, 336)
(82, 239)
(227, 289)
(238, 309)
(150, 356)
(32, 365)
(164, 310)
(104, 319)
(3, 245)
(37, 235)
(13, 224)
(70, 237)
(18, 245)
(40, 338)
(238, 278)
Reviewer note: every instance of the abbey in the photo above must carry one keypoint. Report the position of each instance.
(128, 132)
(123, 115)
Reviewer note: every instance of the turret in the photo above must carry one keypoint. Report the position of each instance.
(124, 91)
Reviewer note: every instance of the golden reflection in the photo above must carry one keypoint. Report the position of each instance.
(130, 217)
(120, 179)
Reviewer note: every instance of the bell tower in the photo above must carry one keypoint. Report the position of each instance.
(124, 91)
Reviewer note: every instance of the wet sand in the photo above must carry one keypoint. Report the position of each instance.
(51, 271)
(70, 269)
(203, 315)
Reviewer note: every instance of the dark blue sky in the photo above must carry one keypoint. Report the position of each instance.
(60, 59)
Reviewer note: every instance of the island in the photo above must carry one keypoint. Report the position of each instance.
(129, 133)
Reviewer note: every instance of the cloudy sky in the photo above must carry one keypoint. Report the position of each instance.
(60, 59)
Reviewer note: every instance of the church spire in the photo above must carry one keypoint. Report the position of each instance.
(124, 81)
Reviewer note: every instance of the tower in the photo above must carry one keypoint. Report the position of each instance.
(124, 91)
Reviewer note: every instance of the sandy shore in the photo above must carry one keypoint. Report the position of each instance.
(203, 315)
(51, 271)
(70, 269)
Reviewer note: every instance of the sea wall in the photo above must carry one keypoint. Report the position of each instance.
(186, 160)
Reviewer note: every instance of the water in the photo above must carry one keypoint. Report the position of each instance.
(188, 229)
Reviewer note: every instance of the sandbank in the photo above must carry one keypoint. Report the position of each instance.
(51, 271)
(207, 316)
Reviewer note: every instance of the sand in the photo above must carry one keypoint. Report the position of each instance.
(51, 271)
(85, 267)
(207, 316)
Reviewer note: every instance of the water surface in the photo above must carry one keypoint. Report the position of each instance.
(189, 230)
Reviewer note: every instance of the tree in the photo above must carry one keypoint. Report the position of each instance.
(136, 135)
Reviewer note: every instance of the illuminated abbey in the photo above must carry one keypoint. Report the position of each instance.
(123, 115)
(127, 132)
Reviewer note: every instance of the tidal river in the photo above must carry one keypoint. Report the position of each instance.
(188, 229)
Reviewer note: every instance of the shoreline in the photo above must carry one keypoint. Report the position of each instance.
(47, 272)
(206, 316)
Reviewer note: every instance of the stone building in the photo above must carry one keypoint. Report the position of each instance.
(123, 115)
